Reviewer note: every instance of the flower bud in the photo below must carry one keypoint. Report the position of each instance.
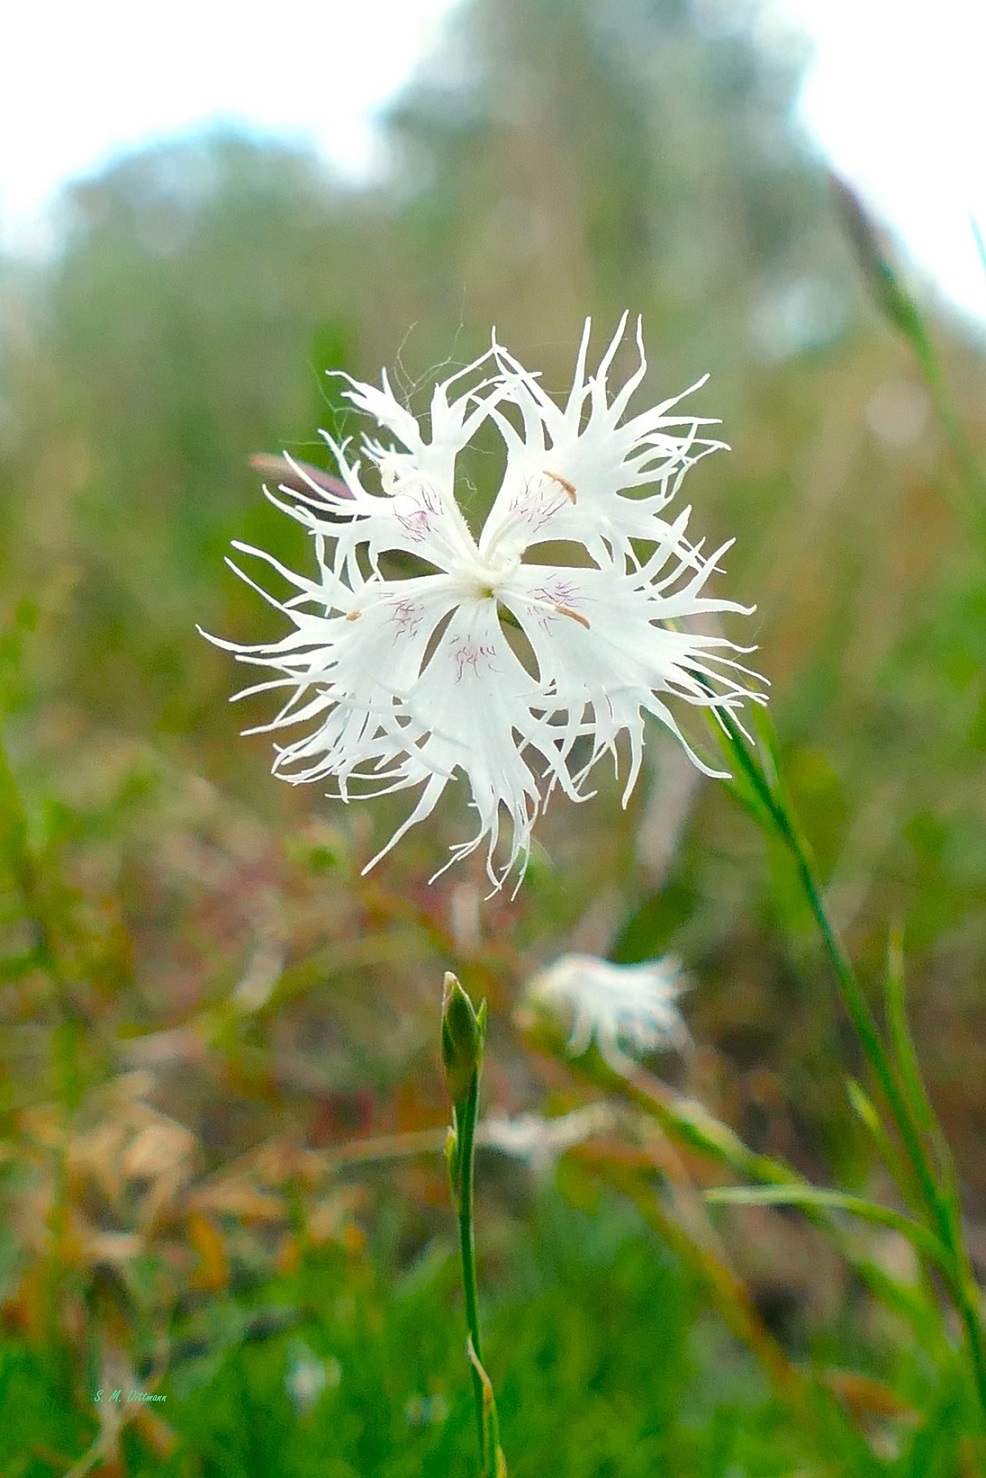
(463, 1032)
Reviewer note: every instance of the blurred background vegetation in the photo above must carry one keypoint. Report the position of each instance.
(219, 1042)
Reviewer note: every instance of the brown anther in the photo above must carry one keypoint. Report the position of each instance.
(562, 481)
(353, 615)
(575, 615)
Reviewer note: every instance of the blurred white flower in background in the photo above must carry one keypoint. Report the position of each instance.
(483, 658)
(540, 1141)
(627, 1010)
(306, 1376)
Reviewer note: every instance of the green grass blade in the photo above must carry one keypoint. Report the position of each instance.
(815, 1196)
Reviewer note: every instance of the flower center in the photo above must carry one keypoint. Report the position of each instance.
(491, 572)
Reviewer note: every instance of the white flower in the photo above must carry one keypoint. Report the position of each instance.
(541, 1141)
(623, 1008)
(485, 660)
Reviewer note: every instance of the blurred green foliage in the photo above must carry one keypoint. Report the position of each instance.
(186, 949)
(384, 1373)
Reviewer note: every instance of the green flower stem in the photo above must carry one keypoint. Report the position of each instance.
(466, 1130)
(853, 996)
(901, 310)
(961, 1282)
(947, 1223)
(463, 1038)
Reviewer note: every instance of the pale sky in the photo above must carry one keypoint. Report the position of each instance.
(894, 97)
(897, 100)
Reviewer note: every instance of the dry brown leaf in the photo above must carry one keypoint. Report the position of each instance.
(212, 1273)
